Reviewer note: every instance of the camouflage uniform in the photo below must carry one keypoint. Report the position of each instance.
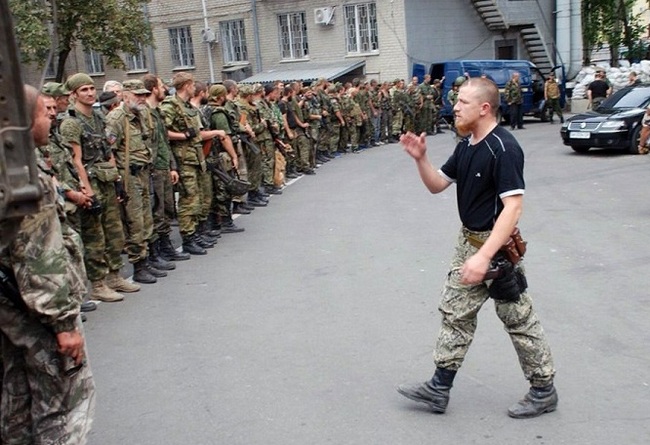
(460, 305)
(366, 129)
(220, 119)
(355, 125)
(346, 112)
(103, 234)
(253, 160)
(515, 99)
(301, 144)
(265, 141)
(43, 403)
(164, 162)
(234, 112)
(398, 99)
(386, 116)
(334, 133)
(127, 133)
(180, 116)
(425, 117)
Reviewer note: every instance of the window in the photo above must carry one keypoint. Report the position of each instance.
(233, 41)
(180, 40)
(293, 35)
(361, 28)
(94, 62)
(138, 61)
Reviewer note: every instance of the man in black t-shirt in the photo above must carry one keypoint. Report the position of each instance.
(597, 91)
(487, 168)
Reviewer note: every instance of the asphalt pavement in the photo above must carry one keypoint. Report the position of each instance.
(297, 330)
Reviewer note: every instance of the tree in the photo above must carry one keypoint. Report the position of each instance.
(612, 22)
(110, 27)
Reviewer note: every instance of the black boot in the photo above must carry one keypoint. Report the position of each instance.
(190, 245)
(202, 241)
(156, 260)
(228, 226)
(537, 401)
(204, 230)
(153, 271)
(168, 252)
(141, 274)
(434, 393)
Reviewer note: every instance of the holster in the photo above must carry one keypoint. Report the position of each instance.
(513, 249)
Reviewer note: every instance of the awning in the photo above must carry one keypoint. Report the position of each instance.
(233, 68)
(306, 71)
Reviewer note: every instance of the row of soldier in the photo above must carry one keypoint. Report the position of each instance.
(118, 168)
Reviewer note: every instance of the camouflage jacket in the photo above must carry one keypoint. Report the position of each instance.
(123, 125)
(513, 93)
(161, 150)
(179, 116)
(49, 270)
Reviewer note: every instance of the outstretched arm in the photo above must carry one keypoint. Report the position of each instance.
(416, 147)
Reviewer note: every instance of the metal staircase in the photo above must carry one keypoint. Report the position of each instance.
(536, 46)
(491, 14)
(534, 41)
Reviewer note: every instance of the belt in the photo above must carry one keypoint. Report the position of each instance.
(134, 169)
(476, 239)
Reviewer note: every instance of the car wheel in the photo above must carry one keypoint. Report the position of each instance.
(580, 149)
(633, 148)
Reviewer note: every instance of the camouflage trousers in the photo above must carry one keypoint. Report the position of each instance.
(102, 235)
(207, 194)
(138, 219)
(354, 133)
(189, 201)
(41, 403)
(459, 307)
(344, 138)
(268, 162)
(163, 202)
(397, 122)
(425, 120)
(385, 125)
(302, 146)
(242, 168)
(254, 165)
(333, 136)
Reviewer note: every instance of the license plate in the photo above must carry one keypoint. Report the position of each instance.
(580, 135)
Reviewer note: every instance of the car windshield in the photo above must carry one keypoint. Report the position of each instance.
(628, 98)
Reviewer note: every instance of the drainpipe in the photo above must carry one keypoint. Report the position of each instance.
(209, 44)
(256, 36)
(563, 31)
(575, 63)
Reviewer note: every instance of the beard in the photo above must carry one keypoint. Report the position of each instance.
(463, 129)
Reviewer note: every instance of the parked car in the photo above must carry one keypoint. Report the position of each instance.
(616, 123)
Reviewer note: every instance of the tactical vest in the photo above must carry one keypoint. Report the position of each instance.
(94, 147)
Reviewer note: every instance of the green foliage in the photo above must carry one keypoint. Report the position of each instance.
(612, 22)
(110, 27)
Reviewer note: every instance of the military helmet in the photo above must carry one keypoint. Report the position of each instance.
(459, 81)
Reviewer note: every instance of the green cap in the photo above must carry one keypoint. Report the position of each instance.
(77, 81)
(55, 89)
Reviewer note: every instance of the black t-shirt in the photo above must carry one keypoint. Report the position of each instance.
(598, 88)
(484, 173)
(285, 109)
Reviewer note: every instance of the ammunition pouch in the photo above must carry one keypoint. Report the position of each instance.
(234, 185)
(103, 172)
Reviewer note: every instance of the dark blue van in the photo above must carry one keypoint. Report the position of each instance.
(500, 71)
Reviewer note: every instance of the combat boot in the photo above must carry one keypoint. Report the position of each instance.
(205, 231)
(153, 271)
(190, 245)
(101, 292)
(228, 226)
(168, 252)
(116, 282)
(537, 401)
(156, 260)
(435, 392)
(141, 274)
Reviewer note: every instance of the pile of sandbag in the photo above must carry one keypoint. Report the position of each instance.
(619, 77)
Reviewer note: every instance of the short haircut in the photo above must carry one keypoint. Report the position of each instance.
(200, 87)
(230, 85)
(181, 79)
(112, 83)
(31, 98)
(487, 91)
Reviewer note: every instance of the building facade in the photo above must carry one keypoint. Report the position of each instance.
(263, 40)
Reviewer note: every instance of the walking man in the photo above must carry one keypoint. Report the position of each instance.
(487, 167)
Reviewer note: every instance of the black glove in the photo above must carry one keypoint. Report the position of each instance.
(95, 206)
(190, 133)
(121, 192)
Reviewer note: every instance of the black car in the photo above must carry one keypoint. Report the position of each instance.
(616, 123)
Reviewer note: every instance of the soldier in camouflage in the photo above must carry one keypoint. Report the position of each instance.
(101, 229)
(48, 392)
(492, 153)
(514, 98)
(130, 136)
(164, 174)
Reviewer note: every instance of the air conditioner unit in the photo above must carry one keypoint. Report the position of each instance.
(324, 16)
(208, 36)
